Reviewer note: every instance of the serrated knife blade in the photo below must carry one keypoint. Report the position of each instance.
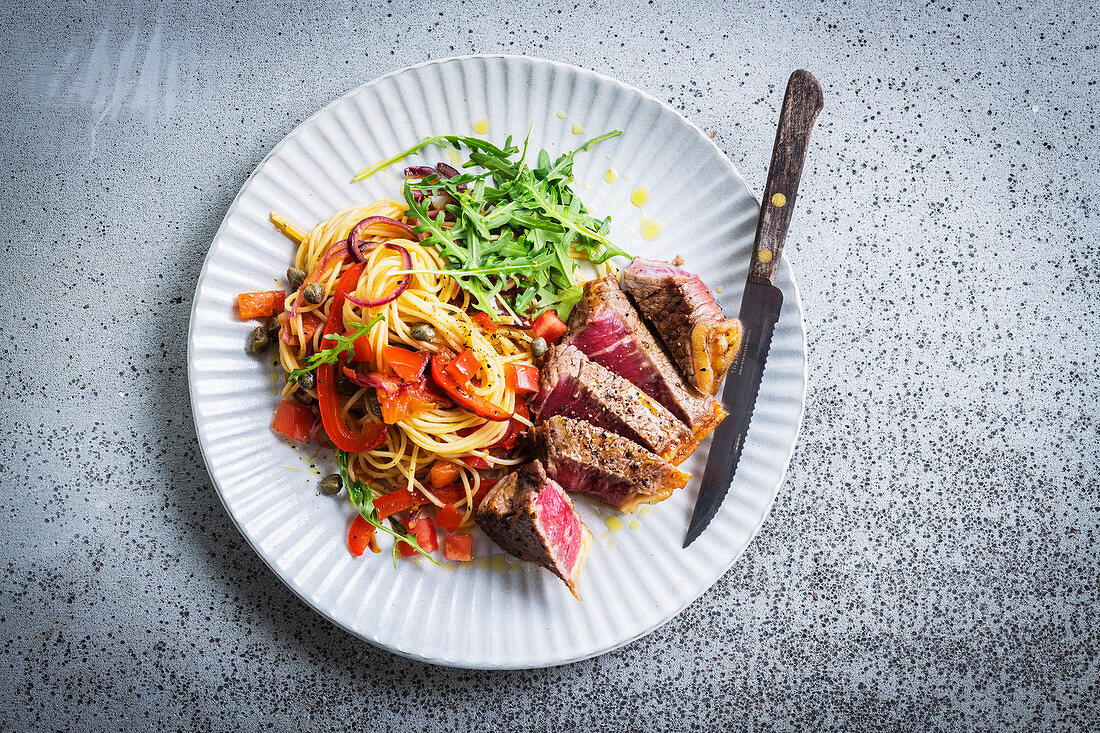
(762, 300)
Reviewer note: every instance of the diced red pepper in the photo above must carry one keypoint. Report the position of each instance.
(477, 462)
(449, 518)
(443, 473)
(549, 326)
(407, 402)
(360, 535)
(425, 534)
(293, 420)
(397, 501)
(310, 324)
(260, 305)
(521, 377)
(463, 367)
(474, 403)
(458, 547)
(485, 321)
(404, 549)
(450, 493)
(409, 365)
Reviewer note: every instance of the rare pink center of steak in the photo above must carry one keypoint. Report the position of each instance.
(559, 525)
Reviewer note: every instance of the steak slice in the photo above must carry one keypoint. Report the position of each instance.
(572, 385)
(702, 341)
(582, 457)
(530, 516)
(606, 326)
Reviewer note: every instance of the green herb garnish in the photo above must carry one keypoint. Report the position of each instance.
(518, 231)
(362, 496)
(344, 345)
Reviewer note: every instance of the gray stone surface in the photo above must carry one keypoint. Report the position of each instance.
(931, 562)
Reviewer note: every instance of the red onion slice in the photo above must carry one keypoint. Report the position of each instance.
(448, 171)
(402, 286)
(371, 380)
(445, 170)
(356, 233)
(421, 171)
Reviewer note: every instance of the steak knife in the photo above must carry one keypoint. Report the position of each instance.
(761, 303)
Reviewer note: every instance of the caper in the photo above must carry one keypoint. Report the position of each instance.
(271, 325)
(295, 278)
(331, 484)
(307, 380)
(422, 331)
(314, 293)
(346, 386)
(538, 346)
(258, 340)
(372, 403)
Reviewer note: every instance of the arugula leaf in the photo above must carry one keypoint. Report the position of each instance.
(362, 496)
(513, 234)
(345, 344)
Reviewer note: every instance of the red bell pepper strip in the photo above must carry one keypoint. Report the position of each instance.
(409, 365)
(485, 321)
(521, 377)
(474, 403)
(549, 326)
(449, 518)
(477, 462)
(458, 547)
(260, 305)
(361, 348)
(293, 420)
(511, 436)
(463, 367)
(372, 434)
(360, 535)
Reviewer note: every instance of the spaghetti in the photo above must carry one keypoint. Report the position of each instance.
(442, 429)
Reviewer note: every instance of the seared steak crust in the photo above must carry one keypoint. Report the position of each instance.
(530, 516)
(572, 385)
(584, 458)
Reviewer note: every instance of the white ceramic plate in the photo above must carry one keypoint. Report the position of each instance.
(496, 612)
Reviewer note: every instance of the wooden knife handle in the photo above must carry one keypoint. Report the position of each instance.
(800, 107)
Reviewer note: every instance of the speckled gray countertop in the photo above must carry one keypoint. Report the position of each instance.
(932, 559)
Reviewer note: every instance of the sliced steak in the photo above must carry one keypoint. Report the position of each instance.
(572, 385)
(606, 326)
(702, 341)
(582, 457)
(530, 516)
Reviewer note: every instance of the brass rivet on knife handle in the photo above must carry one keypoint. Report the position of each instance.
(801, 105)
